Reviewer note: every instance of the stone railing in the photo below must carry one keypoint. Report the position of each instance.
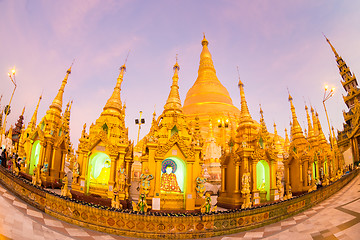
(169, 226)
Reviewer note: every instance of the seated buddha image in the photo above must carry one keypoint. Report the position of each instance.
(99, 174)
(168, 181)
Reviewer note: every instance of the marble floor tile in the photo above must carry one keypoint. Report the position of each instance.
(336, 218)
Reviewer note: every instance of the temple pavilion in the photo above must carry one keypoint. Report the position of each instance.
(105, 154)
(46, 145)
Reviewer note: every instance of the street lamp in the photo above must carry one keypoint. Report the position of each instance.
(7, 108)
(139, 121)
(327, 95)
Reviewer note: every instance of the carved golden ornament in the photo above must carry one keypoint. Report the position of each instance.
(162, 150)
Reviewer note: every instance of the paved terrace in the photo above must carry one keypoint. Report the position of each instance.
(338, 217)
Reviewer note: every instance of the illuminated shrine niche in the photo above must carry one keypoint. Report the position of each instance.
(99, 170)
(263, 177)
(172, 175)
(35, 153)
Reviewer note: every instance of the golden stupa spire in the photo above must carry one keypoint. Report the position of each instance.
(23, 111)
(332, 47)
(310, 127)
(113, 105)
(275, 130)
(57, 103)
(296, 130)
(245, 114)
(348, 81)
(316, 127)
(262, 122)
(321, 133)
(287, 141)
(173, 102)
(32, 123)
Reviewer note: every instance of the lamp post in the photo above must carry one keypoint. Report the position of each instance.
(7, 108)
(139, 121)
(327, 95)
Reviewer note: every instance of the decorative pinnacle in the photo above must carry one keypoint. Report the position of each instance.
(332, 47)
(204, 41)
(240, 82)
(244, 108)
(176, 66)
(261, 113)
(173, 101)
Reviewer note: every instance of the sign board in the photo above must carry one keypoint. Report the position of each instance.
(155, 204)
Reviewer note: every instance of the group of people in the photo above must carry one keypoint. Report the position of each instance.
(9, 161)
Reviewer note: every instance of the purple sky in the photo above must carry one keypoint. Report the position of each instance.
(276, 44)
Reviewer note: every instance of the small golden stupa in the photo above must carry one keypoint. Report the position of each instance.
(171, 161)
(46, 146)
(103, 166)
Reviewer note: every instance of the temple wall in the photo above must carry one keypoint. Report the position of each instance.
(169, 227)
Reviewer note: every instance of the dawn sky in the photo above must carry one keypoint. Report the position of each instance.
(277, 45)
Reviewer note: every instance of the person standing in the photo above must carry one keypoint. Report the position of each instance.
(4, 158)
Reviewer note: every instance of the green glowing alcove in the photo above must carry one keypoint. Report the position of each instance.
(35, 154)
(263, 176)
(99, 168)
(315, 170)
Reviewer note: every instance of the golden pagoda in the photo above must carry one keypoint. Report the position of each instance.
(47, 145)
(105, 155)
(209, 99)
(171, 156)
(297, 158)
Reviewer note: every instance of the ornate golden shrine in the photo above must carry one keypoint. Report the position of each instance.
(47, 145)
(255, 155)
(309, 159)
(105, 154)
(172, 156)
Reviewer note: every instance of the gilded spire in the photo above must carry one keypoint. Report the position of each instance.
(316, 127)
(173, 102)
(262, 122)
(32, 123)
(245, 114)
(332, 47)
(348, 78)
(57, 103)
(321, 133)
(287, 141)
(296, 130)
(310, 127)
(275, 131)
(113, 106)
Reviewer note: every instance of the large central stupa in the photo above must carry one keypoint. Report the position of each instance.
(209, 100)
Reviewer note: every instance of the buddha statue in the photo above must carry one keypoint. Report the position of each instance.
(168, 181)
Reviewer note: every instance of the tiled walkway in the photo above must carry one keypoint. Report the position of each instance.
(336, 218)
